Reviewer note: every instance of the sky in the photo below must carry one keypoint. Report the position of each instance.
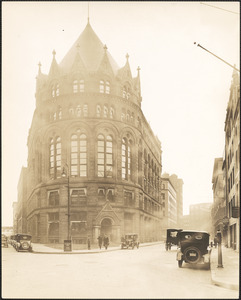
(185, 90)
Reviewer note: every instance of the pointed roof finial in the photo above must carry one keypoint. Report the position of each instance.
(39, 67)
(54, 53)
(138, 70)
(127, 56)
(105, 48)
(78, 47)
(88, 12)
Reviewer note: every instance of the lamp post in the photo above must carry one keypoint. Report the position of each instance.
(220, 261)
(67, 243)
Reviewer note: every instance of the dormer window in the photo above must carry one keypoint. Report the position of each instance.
(107, 87)
(104, 87)
(126, 92)
(78, 86)
(55, 90)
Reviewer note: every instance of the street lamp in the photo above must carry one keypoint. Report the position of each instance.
(67, 243)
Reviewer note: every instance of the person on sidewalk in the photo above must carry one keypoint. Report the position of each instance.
(99, 241)
(106, 241)
(88, 242)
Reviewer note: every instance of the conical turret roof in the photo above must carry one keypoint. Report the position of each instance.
(91, 51)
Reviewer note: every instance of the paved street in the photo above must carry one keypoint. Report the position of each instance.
(147, 272)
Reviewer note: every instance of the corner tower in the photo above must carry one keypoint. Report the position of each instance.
(88, 124)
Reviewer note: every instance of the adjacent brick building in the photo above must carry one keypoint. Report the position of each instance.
(88, 125)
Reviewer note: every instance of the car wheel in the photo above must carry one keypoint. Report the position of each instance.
(192, 255)
(180, 263)
(166, 247)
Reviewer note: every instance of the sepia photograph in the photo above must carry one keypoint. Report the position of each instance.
(120, 150)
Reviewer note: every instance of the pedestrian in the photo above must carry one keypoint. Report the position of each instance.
(106, 241)
(99, 241)
(215, 241)
(88, 242)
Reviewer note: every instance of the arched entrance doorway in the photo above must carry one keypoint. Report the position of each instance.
(106, 227)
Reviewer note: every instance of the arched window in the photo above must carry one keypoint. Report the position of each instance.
(111, 112)
(78, 86)
(126, 92)
(78, 111)
(60, 113)
(55, 158)
(105, 156)
(85, 110)
(126, 159)
(105, 111)
(78, 155)
(55, 90)
(98, 111)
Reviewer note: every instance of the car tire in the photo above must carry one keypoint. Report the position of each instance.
(189, 258)
(180, 263)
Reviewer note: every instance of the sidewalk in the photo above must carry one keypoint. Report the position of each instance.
(40, 248)
(228, 276)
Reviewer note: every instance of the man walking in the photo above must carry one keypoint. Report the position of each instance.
(106, 241)
(99, 241)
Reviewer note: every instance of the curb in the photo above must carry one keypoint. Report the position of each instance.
(227, 285)
(88, 252)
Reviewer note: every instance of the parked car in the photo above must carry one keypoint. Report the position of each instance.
(4, 241)
(23, 242)
(172, 238)
(130, 241)
(193, 248)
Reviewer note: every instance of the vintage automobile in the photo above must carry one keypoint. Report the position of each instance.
(4, 241)
(130, 241)
(193, 248)
(172, 238)
(12, 240)
(23, 242)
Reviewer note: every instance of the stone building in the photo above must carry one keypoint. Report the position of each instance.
(169, 200)
(218, 212)
(94, 164)
(231, 164)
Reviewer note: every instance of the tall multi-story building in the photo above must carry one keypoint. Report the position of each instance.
(178, 185)
(232, 162)
(218, 213)
(94, 163)
(169, 204)
(20, 211)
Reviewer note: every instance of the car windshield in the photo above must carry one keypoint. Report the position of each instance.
(24, 237)
(194, 237)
